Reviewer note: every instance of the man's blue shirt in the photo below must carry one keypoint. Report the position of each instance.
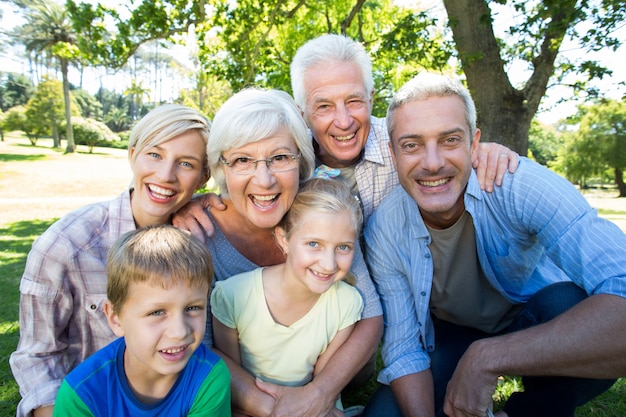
(535, 230)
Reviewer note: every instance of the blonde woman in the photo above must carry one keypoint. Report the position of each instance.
(63, 287)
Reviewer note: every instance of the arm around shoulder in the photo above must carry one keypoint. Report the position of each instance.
(193, 218)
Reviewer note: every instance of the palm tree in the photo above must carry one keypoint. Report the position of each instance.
(117, 120)
(48, 31)
(136, 93)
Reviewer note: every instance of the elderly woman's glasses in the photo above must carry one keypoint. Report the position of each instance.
(276, 163)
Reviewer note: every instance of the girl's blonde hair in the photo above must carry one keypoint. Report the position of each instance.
(322, 195)
(325, 196)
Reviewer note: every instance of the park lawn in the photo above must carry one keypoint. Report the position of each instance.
(15, 242)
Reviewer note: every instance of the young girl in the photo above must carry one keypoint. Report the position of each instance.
(284, 322)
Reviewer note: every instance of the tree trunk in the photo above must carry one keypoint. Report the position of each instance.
(56, 139)
(69, 133)
(504, 112)
(619, 180)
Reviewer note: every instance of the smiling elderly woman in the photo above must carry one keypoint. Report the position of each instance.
(259, 153)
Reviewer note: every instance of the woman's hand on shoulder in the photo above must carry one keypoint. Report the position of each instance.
(193, 218)
(491, 162)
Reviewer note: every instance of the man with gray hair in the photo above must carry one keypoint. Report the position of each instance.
(332, 83)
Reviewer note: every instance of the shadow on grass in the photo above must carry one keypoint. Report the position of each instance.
(80, 149)
(16, 240)
(10, 157)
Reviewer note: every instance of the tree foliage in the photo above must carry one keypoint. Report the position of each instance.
(251, 43)
(544, 143)
(45, 112)
(14, 119)
(91, 132)
(118, 120)
(88, 105)
(208, 96)
(504, 110)
(15, 90)
(136, 93)
(110, 100)
(134, 24)
(47, 31)
(599, 144)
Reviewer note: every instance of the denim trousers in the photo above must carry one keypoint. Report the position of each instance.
(542, 396)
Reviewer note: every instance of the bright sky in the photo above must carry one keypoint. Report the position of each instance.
(549, 112)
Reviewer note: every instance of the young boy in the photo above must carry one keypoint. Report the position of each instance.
(158, 284)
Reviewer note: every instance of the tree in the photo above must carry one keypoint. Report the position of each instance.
(112, 101)
(14, 119)
(48, 30)
(15, 90)
(544, 143)
(208, 96)
(89, 105)
(396, 58)
(600, 142)
(117, 120)
(136, 93)
(149, 20)
(251, 43)
(45, 111)
(505, 112)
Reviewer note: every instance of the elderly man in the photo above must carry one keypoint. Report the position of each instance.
(527, 280)
(331, 79)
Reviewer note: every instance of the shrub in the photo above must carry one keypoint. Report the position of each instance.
(14, 119)
(92, 133)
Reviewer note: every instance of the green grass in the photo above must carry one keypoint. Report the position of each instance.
(607, 212)
(4, 157)
(15, 242)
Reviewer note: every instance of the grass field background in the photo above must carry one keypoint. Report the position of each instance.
(40, 184)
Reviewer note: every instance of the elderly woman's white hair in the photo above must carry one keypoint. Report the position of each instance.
(164, 123)
(254, 114)
(323, 51)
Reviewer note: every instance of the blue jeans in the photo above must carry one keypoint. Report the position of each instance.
(542, 396)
